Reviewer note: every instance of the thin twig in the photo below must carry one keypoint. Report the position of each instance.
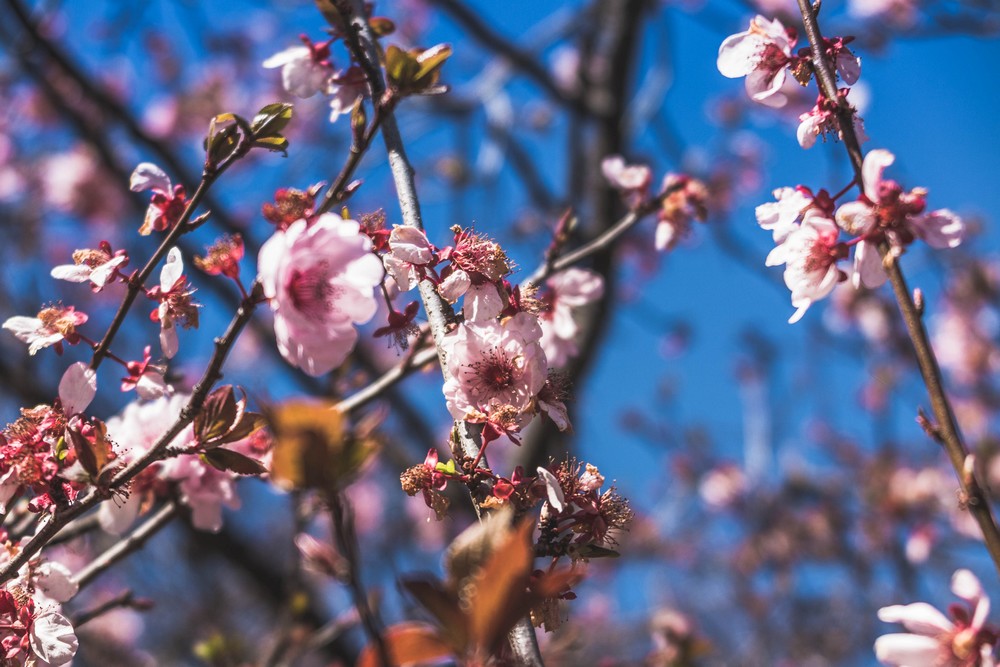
(347, 543)
(947, 425)
(124, 599)
(125, 546)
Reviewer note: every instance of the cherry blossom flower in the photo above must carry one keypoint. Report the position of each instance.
(426, 479)
(495, 367)
(98, 266)
(145, 378)
(223, 257)
(781, 217)
(176, 305)
(29, 456)
(810, 255)
(203, 488)
(167, 203)
(478, 265)
(320, 278)
(345, 89)
(568, 290)
(761, 54)
(822, 119)
(632, 179)
(935, 640)
(291, 205)
(409, 252)
(52, 326)
(884, 211)
(305, 70)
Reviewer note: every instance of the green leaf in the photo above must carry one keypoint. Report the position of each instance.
(271, 120)
(227, 459)
(431, 60)
(275, 143)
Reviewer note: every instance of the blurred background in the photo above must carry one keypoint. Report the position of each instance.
(783, 489)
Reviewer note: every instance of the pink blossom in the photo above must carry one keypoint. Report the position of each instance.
(98, 266)
(569, 290)
(202, 487)
(145, 378)
(886, 212)
(53, 640)
(52, 326)
(822, 119)
(810, 255)
(495, 366)
(478, 265)
(305, 70)
(934, 639)
(631, 179)
(688, 200)
(781, 217)
(320, 278)
(761, 54)
(345, 88)
(176, 305)
(409, 252)
(167, 203)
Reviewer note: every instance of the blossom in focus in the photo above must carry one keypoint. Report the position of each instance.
(822, 119)
(98, 266)
(176, 305)
(52, 326)
(320, 278)
(884, 211)
(409, 252)
(167, 203)
(781, 217)
(145, 378)
(934, 640)
(305, 70)
(568, 291)
(810, 255)
(425, 478)
(761, 54)
(495, 368)
(77, 388)
(478, 265)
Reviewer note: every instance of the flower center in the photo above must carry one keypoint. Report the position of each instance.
(493, 373)
(311, 291)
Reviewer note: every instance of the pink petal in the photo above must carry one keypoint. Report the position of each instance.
(918, 617)
(552, 489)
(871, 170)
(77, 388)
(903, 650)
(147, 176)
(173, 269)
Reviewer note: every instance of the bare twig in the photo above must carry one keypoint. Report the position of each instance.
(125, 546)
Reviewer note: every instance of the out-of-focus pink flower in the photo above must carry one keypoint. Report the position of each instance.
(565, 66)
(167, 203)
(934, 639)
(897, 13)
(810, 255)
(722, 486)
(53, 639)
(320, 278)
(99, 266)
(632, 179)
(223, 257)
(305, 70)
(345, 89)
(761, 54)
(568, 291)
(687, 201)
(52, 326)
(202, 487)
(495, 367)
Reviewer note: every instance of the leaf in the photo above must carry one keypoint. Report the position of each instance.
(400, 67)
(226, 459)
(500, 592)
(407, 644)
(443, 604)
(431, 60)
(275, 143)
(381, 26)
(312, 447)
(217, 416)
(271, 120)
(92, 452)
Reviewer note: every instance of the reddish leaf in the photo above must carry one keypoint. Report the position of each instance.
(443, 604)
(226, 459)
(407, 643)
(500, 592)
